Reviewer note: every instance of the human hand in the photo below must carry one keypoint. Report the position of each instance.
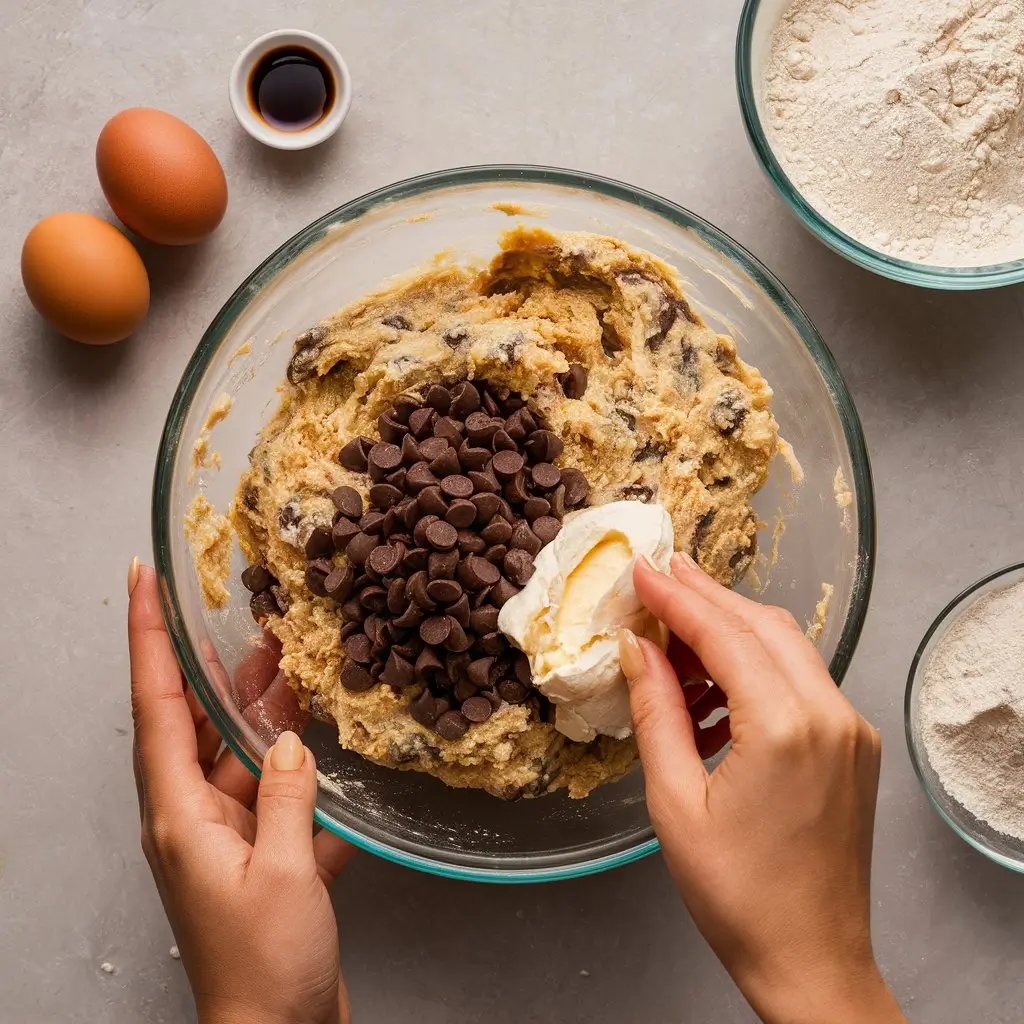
(772, 851)
(241, 876)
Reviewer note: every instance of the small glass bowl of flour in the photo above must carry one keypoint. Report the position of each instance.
(965, 715)
(894, 130)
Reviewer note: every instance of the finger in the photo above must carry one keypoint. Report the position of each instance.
(276, 710)
(779, 633)
(233, 779)
(207, 738)
(256, 671)
(284, 805)
(165, 738)
(661, 722)
(332, 854)
(724, 642)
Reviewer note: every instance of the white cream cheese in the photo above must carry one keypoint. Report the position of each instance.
(581, 593)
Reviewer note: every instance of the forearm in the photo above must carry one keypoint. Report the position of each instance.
(214, 1011)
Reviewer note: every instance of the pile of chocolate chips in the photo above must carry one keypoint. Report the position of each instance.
(464, 492)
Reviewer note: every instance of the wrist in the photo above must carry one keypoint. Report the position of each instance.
(847, 995)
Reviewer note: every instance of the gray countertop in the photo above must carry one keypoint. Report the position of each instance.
(642, 92)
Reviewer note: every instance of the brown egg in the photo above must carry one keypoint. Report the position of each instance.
(85, 278)
(160, 176)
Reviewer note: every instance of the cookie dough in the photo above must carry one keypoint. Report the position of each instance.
(670, 414)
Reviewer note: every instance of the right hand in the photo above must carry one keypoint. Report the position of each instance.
(772, 851)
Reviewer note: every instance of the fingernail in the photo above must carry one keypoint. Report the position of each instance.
(287, 754)
(682, 562)
(631, 655)
(133, 575)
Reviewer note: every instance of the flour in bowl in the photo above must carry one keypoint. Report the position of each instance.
(902, 123)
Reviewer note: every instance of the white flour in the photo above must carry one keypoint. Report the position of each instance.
(901, 122)
(971, 705)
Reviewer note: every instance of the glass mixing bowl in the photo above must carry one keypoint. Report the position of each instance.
(1001, 848)
(753, 50)
(406, 816)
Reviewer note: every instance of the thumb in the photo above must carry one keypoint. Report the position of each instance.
(284, 805)
(664, 730)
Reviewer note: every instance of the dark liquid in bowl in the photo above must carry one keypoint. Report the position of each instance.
(291, 88)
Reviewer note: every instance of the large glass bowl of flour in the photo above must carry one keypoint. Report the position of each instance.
(863, 179)
(821, 527)
(964, 716)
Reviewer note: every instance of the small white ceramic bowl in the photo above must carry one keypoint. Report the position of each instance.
(251, 121)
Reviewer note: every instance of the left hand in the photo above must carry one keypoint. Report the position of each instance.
(242, 878)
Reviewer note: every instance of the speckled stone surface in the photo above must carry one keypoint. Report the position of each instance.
(641, 92)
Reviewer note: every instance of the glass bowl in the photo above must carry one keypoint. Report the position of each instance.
(407, 816)
(753, 47)
(1001, 848)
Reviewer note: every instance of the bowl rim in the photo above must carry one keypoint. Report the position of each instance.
(924, 275)
(956, 607)
(511, 174)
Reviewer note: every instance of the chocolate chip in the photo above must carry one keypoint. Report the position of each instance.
(397, 601)
(263, 605)
(458, 640)
(577, 488)
(411, 453)
(348, 629)
(490, 406)
(497, 531)
(441, 565)
(340, 582)
(372, 522)
(456, 486)
(461, 513)
(506, 464)
(515, 428)
(397, 479)
(486, 506)
(373, 598)
(417, 590)
(353, 455)
(348, 501)
(355, 678)
(522, 669)
(503, 591)
(574, 382)
(478, 672)
(399, 323)
(475, 573)
(281, 596)
(465, 399)
(515, 490)
(384, 559)
(319, 543)
(456, 665)
(543, 446)
(316, 575)
(518, 566)
(536, 507)
(545, 476)
(650, 449)
(359, 548)
(496, 553)
(481, 427)
(384, 458)
(438, 398)
(384, 496)
(415, 559)
(353, 611)
(444, 590)
(421, 423)
(398, 672)
(464, 689)
(432, 447)
(441, 536)
(257, 578)
(419, 478)
(611, 343)
(484, 481)
(452, 725)
(473, 458)
(428, 664)
(728, 412)
(431, 502)
(484, 620)
(524, 538)
(502, 442)
(471, 543)
(638, 492)
(494, 643)
(410, 618)
(436, 629)
(546, 528)
(459, 611)
(512, 690)
(424, 709)
(357, 647)
(449, 429)
(390, 429)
